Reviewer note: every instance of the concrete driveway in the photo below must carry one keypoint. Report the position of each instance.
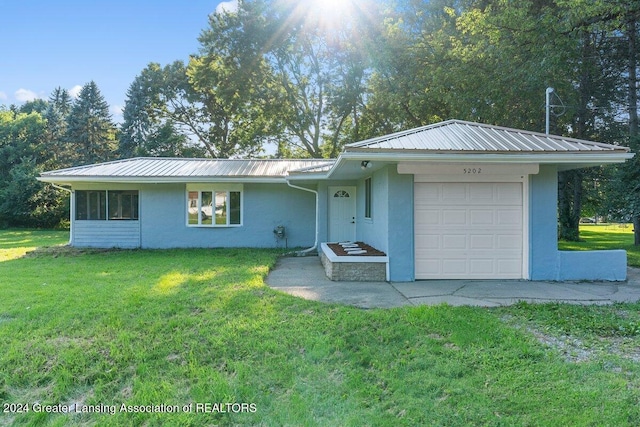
(304, 277)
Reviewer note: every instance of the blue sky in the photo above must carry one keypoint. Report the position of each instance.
(51, 43)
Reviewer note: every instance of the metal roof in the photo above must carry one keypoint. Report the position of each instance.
(449, 141)
(467, 137)
(163, 169)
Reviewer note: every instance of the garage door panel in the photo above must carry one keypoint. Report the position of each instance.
(453, 192)
(481, 217)
(454, 266)
(508, 267)
(430, 217)
(509, 241)
(426, 242)
(468, 230)
(454, 241)
(454, 217)
(509, 193)
(481, 241)
(428, 268)
(510, 217)
(482, 192)
(481, 266)
(429, 193)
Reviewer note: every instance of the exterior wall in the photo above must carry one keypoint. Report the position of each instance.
(543, 228)
(401, 233)
(592, 265)
(106, 234)
(264, 207)
(123, 234)
(163, 220)
(391, 227)
(375, 230)
(546, 261)
(163, 224)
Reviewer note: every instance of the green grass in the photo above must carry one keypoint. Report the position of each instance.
(605, 236)
(181, 327)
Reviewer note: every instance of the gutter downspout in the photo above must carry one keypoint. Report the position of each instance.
(304, 252)
(70, 191)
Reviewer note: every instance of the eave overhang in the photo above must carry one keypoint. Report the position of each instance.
(564, 160)
(68, 180)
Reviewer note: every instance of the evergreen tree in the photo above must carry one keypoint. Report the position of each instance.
(91, 134)
(56, 115)
(138, 122)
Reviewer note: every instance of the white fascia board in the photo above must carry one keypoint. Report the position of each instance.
(542, 158)
(68, 180)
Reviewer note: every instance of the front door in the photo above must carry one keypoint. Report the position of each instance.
(342, 214)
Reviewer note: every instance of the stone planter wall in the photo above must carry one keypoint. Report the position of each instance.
(353, 268)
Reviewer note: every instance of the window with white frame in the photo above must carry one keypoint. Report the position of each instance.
(214, 207)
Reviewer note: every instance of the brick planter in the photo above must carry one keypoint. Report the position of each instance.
(353, 268)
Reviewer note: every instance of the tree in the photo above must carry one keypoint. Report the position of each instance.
(91, 135)
(26, 202)
(217, 99)
(23, 153)
(618, 20)
(320, 71)
(56, 115)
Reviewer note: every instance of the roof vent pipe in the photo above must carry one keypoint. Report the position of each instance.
(549, 91)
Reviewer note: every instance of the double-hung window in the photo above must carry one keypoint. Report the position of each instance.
(214, 206)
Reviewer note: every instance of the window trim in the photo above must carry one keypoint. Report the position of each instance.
(213, 190)
(368, 198)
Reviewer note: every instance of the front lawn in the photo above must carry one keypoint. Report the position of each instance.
(194, 337)
(605, 236)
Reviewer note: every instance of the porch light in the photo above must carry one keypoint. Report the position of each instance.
(365, 164)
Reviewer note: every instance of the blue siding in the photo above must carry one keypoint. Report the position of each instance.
(265, 206)
(106, 234)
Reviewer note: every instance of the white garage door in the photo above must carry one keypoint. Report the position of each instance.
(468, 230)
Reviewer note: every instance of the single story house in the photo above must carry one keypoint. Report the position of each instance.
(452, 200)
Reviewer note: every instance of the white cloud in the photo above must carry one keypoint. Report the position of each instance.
(116, 113)
(116, 109)
(25, 95)
(230, 6)
(75, 91)
(3, 96)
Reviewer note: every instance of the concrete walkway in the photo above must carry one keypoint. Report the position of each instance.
(304, 277)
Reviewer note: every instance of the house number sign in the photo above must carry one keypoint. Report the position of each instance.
(467, 169)
(472, 171)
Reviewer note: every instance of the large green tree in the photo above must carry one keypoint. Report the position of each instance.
(56, 116)
(319, 58)
(24, 153)
(607, 86)
(90, 135)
